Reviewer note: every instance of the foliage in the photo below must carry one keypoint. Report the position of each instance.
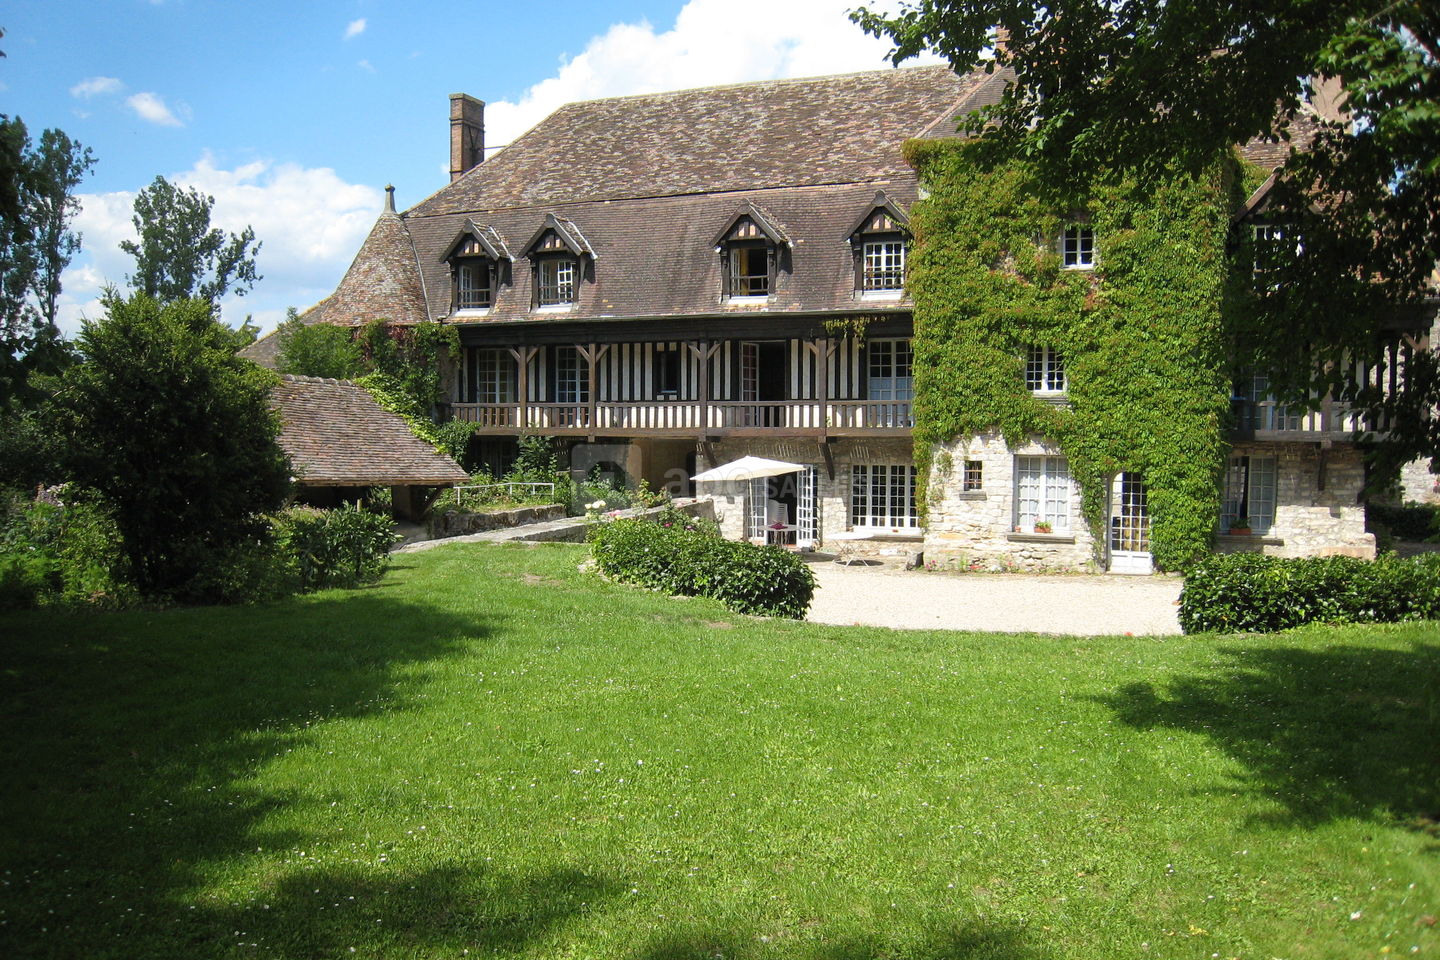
(317, 349)
(36, 244)
(179, 255)
(63, 551)
(685, 560)
(1252, 592)
(1147, 84)
(454, 440)
(1143, 335)
(392, 395)
(1410, 521)
(411, 356)
(346, 548)
(176, 435)
(1248, 795)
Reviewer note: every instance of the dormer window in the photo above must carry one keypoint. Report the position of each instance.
(562, 257)
(878, 241)
(555, 282)
(1077, 247)
(751, 248)
(479, 263)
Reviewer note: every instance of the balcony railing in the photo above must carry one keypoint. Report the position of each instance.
(691, 417)
(1270, 420)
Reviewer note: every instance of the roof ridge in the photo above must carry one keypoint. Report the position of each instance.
(773, 81)
(301, 378)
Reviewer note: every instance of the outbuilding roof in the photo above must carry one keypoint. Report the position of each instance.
(337, 436)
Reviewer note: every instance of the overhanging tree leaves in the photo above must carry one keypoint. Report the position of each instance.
(179, 255)
(176, 433)
(1141, 84)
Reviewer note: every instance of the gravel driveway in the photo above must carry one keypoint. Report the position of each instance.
(1006, 602)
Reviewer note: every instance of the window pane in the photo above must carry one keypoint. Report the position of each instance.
(557, 282)
(749, 272)
(1078, 247)
(884, 265)
(472, 285)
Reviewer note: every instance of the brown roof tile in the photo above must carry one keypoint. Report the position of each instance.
(337, 435)
(384, 280)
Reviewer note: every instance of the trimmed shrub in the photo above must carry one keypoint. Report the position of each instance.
(1413, 521)
(335, 548)
(1255, 593)
(686, 559)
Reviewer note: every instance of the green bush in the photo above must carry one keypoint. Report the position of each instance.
(1251, 592)
(688, 560)
(334, 548)
(1412, 521)
(63, 553)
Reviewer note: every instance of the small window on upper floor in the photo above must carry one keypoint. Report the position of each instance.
(555, 282)
(561, 257)
(878, 240)
(479, 263)
(752, 247)
(1077, 247)
(1045, 371)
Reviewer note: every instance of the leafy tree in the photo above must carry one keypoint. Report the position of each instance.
(179, 255)
(1140, 84)
(36, 244)
(176, 434)
(317, 349)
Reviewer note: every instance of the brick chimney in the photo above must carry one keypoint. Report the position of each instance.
(467, 133)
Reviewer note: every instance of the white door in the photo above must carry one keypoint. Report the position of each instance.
(807, 510)
(1129, 526)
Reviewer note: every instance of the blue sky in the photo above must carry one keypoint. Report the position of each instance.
(294, 115)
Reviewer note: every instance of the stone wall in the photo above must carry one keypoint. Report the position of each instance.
(1310, 521)
(832, 493)
(976, 529)
(1418, 484)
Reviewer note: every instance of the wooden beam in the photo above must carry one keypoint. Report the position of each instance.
(829, 455)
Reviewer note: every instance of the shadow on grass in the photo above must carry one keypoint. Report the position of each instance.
(1341, 732)
(965, 941)
(131, 745)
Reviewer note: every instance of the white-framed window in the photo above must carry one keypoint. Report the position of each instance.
(1043, 490)
(1045, 371)
(891, 382)
(883, 495)
(555, 280)
(572, 376)
(1262, 411)
(472, 285)
(883, 265)
(749, 270)
(494, 375)
(1250, 493)
(972, 480)
(1077, 247)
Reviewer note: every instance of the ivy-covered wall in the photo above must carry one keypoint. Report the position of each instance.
(1143, 334)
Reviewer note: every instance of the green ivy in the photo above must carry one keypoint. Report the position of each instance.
(1144, 335)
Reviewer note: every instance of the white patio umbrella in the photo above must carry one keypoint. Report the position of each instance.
(748, 468)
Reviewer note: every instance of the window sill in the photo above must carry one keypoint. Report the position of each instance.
(748, 300)
(1080, 267)
(1241, 539)
(1014, 537)
(472, 312)
(555, 308)
(971, 495)
(882, 295)
(888, 535)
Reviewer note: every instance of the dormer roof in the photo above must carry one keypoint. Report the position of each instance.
(474, 240)
(566, 232)
(766, 224)
(881, 204)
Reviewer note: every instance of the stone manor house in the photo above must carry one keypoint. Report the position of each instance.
(669, 282)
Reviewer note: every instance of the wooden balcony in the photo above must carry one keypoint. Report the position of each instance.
(1267, 420)
(692, 418)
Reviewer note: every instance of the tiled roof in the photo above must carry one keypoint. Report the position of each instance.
(382, 281)
(337, 435)
(779, 133)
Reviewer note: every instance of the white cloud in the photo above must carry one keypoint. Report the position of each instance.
(712, 42)
(365, 65)
(354, 28)
(95, 86)
(152, 109)
(310, 224)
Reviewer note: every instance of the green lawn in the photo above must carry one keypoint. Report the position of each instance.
(490, 752)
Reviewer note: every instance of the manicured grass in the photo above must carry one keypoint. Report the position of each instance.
(492, 752)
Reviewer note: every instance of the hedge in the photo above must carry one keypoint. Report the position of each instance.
(1251, 592)
(687, 561)
(1412, 521)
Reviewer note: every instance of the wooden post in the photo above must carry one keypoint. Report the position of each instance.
(522, 356)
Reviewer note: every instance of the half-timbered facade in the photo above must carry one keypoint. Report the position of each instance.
(669, 282)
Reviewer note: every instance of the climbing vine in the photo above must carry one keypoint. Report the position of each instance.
(1143, 334)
